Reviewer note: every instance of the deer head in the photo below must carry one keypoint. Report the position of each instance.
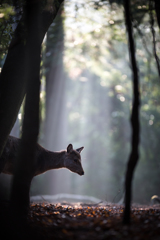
(72, 160)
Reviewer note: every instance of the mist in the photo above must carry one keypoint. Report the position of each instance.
(86, 100)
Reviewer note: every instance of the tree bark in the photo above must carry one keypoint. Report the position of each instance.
(13, 78)
(20, 75)
(151, 8)
(157, 8)
(134, 155)
(25, 162)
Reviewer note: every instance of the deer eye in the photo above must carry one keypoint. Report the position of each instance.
(75, 160)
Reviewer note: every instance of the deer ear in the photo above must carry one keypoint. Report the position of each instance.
(79, 149)
(69, 148)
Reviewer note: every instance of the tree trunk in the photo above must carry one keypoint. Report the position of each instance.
(134, 155)
(13, 79)
(20, 75)
(151, 9)
(157, 8)
(25, 162)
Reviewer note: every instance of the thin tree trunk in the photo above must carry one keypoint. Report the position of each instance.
(157, 8)
(151, 8)
(134, 155)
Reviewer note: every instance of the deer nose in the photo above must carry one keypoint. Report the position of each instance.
(82, 173)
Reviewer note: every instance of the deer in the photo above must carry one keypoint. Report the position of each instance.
(44, 159)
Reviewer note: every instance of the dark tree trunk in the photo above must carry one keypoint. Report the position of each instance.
(151, 9)
(157, 8)
(134, 155)
(20, 76)
(25, 162)
(13, 79)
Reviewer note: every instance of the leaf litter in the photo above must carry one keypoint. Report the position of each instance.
(94, 222)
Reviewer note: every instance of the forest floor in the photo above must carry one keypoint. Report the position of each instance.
(87, 222)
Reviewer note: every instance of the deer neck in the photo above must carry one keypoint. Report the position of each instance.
(54, 160)
(50, 160)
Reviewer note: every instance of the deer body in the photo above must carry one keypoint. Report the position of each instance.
(44, 160)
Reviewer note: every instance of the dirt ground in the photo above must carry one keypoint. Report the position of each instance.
(89, 222)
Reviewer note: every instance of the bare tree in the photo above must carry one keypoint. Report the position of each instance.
(134, 155)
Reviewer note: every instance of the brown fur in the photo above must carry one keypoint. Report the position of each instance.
(45, 160)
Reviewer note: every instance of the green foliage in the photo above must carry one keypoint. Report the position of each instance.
(7, 20)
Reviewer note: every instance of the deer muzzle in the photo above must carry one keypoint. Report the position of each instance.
(82, 173)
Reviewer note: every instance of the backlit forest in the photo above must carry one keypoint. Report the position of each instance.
(86, 98)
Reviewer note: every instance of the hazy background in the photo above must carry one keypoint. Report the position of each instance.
(86, 99)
